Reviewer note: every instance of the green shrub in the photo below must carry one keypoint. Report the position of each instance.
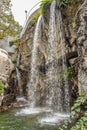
(78, 118)
(1, 87)
(79, 111)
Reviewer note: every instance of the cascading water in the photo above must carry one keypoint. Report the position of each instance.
(19, 77)
(64, 66)
(34, 77)
(57, 90)
(52, 73)
(19, 82)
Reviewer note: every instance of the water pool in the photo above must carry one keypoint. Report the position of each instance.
(30, 119)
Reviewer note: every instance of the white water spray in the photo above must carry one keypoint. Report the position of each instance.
(34, 62)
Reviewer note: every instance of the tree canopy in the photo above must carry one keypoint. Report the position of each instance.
(8, 26)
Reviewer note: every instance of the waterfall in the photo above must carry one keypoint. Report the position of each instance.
(19, 76)
(57, 91)
(64, 66)
(52, 73)
(34, 77)
(19, 82)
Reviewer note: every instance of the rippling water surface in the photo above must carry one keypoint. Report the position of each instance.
(30, 119)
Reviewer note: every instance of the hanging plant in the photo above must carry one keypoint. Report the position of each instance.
(44, 3)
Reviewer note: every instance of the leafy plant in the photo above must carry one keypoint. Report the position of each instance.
(1, 87)
(78, 118)
(79, 111)
(81, 124)
(75, 110)
(44, 3)
(8, 25)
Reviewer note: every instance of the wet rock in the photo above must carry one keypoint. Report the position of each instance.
(8, 100)
(75, 26)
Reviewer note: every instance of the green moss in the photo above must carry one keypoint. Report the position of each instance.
(14, 62)
(35, 18)
(41, 74)
(70, 74)
(1, 87)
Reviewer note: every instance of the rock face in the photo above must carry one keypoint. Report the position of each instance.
(74, 48)
(82, 46)
(5, 66)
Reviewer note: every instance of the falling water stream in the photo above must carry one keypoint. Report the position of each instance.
(34, 62)
(57, 89)
(64, 66)
(19, 82)
(57, 96)
(52, 73)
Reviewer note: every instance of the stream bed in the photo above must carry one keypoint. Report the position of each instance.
(31, 119)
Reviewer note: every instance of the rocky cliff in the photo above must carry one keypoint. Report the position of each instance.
(72, 53)
(81, 23)
(75, 22)
(6, 67)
